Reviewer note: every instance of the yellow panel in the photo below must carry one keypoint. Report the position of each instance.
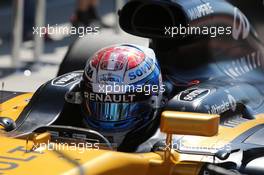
(13, 107)
(187, 123)
(15, 161)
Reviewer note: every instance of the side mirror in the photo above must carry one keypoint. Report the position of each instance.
(188, 123)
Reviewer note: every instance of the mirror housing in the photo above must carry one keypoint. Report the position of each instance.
(189, 123)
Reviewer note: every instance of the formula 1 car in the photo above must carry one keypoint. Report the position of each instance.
(215, 101)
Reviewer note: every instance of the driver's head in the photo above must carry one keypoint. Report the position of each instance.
(122, 87)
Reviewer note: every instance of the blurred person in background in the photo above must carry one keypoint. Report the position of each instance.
(29, 19)
(86, 14)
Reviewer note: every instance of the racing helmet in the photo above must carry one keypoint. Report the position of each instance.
(122, 88)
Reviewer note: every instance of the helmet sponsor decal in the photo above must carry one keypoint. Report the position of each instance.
(110, 78)
(110, 98)
(142, 71)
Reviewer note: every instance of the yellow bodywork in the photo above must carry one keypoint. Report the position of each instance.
(17, 157)
(187, 123)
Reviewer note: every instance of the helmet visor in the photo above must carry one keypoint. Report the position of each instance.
(114, 112)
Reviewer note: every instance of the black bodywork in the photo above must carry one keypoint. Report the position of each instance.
(222, 75)
(206, 72)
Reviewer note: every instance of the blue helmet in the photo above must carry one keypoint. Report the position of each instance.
(122, 88)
